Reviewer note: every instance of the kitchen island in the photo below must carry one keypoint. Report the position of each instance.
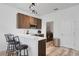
(36, 44)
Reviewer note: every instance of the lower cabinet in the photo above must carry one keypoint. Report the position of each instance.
(42, 48)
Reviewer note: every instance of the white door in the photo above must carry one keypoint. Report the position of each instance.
(66, 33)
(76, 40)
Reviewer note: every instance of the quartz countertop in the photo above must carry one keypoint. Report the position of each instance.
(30, 36)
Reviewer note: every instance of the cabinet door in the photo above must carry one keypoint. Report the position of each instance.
(33, 21)
(39, 25)
(27, 22)
(42, 48)
(22, 21)
(19, 21)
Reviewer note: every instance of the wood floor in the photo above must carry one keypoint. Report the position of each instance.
(4, 53)
(54, 51)
(61, 51)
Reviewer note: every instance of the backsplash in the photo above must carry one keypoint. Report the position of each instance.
(30, 31)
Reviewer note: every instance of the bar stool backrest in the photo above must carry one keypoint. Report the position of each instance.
(9, 37)
(17, 41)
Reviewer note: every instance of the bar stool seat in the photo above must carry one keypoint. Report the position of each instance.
(22, 47)
(19, 47)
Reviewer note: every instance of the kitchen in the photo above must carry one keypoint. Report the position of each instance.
(11, 25)
(34, 41)
(30, 27)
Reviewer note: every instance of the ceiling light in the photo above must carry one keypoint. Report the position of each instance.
(32, 8)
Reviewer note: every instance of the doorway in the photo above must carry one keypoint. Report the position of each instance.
(49, 31)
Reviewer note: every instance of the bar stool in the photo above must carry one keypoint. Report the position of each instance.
(10, 46)
(19, 47)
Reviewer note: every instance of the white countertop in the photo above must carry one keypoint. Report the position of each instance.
(30, 36)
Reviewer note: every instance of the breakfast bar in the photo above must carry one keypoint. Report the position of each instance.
(36, 45)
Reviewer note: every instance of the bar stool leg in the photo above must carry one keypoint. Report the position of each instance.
(24, 52)
(17, 53)
(20, 52)
(27, 52)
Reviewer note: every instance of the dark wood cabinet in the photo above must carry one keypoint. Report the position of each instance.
(33, 21)
(25, 21)
(22, 21)
(42, 48)
(39, 23)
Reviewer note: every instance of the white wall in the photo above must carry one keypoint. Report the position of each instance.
(8, 23)
(66, 26)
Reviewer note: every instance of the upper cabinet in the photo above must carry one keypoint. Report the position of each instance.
(39, 23)
(25, 21)
(33, 21)
(22, 21)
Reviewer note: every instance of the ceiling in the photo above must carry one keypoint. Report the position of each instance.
(43, 8)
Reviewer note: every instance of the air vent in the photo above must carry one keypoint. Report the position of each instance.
(56, 9)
